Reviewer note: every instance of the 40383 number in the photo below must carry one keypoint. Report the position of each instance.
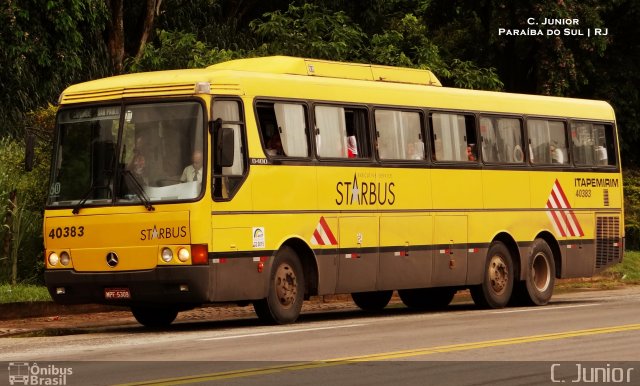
(583, 193)
(60, 233)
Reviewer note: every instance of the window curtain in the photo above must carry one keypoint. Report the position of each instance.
(293, 129)
(331, 134)
(387, 127)
(229, 111)
(450, 140)
(510, 141)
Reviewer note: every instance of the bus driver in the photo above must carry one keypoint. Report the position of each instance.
(193, 172)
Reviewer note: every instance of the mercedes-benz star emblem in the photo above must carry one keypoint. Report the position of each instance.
(112, 259)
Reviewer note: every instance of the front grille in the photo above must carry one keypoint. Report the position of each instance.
(607, 241)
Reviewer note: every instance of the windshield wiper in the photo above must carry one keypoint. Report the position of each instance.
(139, 190)
(76, 209)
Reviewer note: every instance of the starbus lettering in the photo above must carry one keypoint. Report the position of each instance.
(365, 193)
(597, 182)
(161, 233)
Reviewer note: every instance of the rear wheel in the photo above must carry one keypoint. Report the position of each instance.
(427, 298)
(154, 317)
(537, 288)
(372, 301)
(286, 290)
(497, 286)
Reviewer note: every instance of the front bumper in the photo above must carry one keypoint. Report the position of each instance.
(158, 286)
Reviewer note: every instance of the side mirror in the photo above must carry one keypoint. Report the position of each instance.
(29, 152)
(225, 145)
(215, 126)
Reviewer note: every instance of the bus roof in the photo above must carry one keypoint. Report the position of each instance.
(283, 76)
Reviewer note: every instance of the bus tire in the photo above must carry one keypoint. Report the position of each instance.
(154, 317)
(427, 298)
(497, 286)
(537, 288)
(286, 290)
(372, 301)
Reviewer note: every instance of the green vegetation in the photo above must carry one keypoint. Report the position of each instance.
(628, 271)
(631, 181)
(23, 293)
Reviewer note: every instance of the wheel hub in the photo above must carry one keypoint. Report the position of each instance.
(541, 272)
(498, 274)
(286, 285)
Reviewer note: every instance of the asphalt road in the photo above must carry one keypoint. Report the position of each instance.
(577, 337)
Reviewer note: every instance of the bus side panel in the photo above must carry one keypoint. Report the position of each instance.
(405, 254)
(358, 254)
(450, 256)
(506, 189)
(579, 259)
(236, 276)
(327, 270)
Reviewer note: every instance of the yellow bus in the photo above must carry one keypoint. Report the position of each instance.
(270, 180)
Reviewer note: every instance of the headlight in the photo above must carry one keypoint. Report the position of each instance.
(167, 254)
(65, 258)
(183, 254)
(53, 259)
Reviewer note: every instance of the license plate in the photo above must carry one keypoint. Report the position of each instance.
(117, 293)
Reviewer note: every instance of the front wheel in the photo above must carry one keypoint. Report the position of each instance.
(372, 301)
(497, 286)
(537, 287)
(286, 290)
(154, 317)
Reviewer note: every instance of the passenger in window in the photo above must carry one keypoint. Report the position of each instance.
(352, 147)
(557, 156)
(601, 155)
(193, 172)
(412, 152)
(471, 152)
(274, 145)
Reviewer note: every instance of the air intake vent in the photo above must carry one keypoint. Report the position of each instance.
(607, 241)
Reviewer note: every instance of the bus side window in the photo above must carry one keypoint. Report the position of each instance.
(547, 141)
(453, 137)
(502, 140)
(226, 180)
(341, 132)
(399, 135)
(593, 144)
(268, 128)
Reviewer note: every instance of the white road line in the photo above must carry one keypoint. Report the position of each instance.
(282, 332)
(548, 308)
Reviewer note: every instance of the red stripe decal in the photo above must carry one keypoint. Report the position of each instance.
(327, 230)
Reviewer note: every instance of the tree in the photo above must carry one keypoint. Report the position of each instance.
(313, 31)
(616, 78)
(550, 65)
(42, 48)
(118, 41)
(309, 31)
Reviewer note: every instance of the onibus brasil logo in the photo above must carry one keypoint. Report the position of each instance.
(24, 373)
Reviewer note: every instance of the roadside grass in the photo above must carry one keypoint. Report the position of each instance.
(617, 276)
(629, 270)
(627, 273)
(23, 293)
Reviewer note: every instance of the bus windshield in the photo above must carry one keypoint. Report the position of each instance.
(128, 154)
